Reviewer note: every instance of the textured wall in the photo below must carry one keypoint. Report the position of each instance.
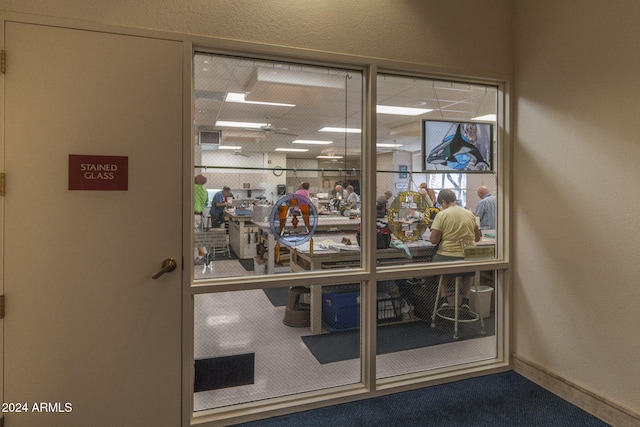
(468, 36)
(577, 247)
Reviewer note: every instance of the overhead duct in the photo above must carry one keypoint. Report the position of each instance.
(298, 78)
(407, 129)
(291, 86)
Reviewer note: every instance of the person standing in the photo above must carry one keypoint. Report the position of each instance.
(428, 195)
(340, 192)
(353, 200)
(200, 199)
(486, 209)
(453, 229)
(218, 204)
(382, 204)
(303, 190)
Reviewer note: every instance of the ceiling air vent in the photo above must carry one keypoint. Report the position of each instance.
(209, 137)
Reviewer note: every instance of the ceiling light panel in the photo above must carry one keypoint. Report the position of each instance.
(293, 150)
(249, 125)
(340, 130)
(401, 111)
(311, 142)
(241, 98)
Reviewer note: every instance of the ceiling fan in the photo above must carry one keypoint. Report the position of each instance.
(270, 129)
(332, 161)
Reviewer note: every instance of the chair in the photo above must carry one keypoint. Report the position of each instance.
(219, 242)
(453, 313)
(297, 314)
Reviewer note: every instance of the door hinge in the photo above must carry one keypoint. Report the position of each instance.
(1, 189)
(3, 68)
(1, 316)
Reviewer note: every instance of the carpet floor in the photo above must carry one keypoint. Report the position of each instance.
(500, 400)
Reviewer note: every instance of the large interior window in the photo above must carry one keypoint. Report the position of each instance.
(282, 204)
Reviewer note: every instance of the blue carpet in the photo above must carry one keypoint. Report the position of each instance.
(345, 345)
(506, 399)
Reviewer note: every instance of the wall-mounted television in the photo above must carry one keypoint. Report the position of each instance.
(450, 146)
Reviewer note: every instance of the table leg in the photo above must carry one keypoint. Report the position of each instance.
(316, 309)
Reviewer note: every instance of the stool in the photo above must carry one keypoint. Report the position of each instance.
(453, 313)
(297, 314)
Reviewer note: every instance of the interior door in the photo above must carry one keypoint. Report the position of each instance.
(87, 330)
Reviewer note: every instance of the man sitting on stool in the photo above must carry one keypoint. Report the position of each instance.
(453, 229)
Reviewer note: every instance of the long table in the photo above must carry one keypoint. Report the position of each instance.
(326, 255)
(326, 224)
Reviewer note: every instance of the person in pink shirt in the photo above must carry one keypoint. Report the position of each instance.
(303, 190)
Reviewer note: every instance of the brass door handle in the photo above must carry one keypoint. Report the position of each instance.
(168, 265)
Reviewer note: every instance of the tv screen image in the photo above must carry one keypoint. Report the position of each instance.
(457, 146)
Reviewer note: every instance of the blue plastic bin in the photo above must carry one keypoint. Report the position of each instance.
(341, 310)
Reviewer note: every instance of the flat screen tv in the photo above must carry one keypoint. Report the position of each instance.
(450, 146)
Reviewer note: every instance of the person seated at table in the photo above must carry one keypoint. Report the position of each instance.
(453, 229)
(218, 204)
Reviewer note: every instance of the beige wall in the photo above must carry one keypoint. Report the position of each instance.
(577, 256)
(467, 36)
(576, 154)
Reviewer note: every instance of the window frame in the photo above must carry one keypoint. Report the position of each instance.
(368, 274)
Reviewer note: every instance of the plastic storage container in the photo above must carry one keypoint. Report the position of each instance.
(341, 310)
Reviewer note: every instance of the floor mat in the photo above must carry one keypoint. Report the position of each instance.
(345, 345)
(279, 297)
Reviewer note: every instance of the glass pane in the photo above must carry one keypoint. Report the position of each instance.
(258, 344)
(411, 339)
(272, 142)
(432, 136)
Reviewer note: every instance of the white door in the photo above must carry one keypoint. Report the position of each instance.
(87, 330)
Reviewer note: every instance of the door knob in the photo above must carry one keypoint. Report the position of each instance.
(168, 265)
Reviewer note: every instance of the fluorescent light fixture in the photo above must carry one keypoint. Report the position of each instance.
(229, 147)
(311, 142)
(388, 145)
(401, 111)
(486, 118)
(328, 157)
(296, 150)
(249, 125)
(240, 97)
(340, 130)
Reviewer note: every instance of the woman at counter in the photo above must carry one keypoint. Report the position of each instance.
(453, 229)
(303, 190)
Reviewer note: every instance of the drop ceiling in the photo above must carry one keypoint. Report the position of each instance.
(322, 97)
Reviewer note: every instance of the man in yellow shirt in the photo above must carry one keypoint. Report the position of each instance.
(453, 229)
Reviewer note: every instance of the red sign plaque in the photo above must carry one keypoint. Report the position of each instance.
(98, 173)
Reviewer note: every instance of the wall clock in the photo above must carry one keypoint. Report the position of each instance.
(277, 171)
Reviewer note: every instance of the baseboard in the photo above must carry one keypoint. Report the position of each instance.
(598, 406)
